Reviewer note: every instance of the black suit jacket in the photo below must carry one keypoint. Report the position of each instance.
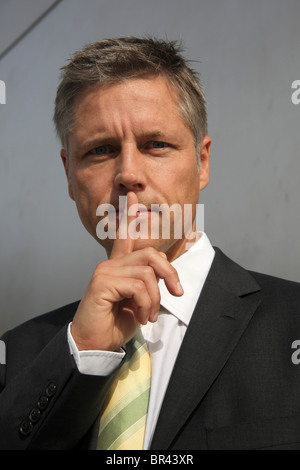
(234, 385)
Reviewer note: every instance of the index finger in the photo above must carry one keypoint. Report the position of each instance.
(123, 245)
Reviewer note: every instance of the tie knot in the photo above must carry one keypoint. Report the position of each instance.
(136, 347)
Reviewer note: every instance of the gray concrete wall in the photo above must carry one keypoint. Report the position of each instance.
(248, 55)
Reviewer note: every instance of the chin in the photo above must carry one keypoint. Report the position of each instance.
(159, 245)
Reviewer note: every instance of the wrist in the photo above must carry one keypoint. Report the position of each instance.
(91, 344)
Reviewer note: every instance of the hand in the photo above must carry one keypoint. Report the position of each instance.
(122, 294)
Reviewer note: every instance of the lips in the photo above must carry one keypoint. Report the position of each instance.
(141, 210)
(139, 213)
(142, 213)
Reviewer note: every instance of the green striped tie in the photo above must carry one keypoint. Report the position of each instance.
(123, 420)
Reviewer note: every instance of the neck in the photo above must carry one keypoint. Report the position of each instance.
(180, 247)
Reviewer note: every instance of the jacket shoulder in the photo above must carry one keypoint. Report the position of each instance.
(53, 320)
(268, 281)
(283, 292)
(240, 280)
(28, 339)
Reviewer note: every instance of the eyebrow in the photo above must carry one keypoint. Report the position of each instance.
(153, 135)
(96, 141)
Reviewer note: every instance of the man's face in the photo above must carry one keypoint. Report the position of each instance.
(129, 137)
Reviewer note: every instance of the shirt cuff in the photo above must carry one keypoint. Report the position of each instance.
(99, 363)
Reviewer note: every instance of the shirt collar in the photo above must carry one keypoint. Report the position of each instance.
(192, 267)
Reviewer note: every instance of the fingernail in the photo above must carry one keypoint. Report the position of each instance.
(179, 288)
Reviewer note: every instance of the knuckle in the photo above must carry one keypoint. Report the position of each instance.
(147, 271)
(173, 270)
(138, 285)
(103, 265)
(151, 251)
(100, 268)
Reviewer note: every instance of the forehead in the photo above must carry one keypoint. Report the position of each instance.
(137, 97)
(158, 84)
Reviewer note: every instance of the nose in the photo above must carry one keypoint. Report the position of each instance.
(130, 171)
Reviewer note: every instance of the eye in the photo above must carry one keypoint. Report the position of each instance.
(101, 150)
(157, 145)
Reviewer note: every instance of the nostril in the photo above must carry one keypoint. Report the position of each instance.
(128, 181)
(128, 187)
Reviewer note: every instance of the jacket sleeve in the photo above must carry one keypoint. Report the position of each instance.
(45, 402)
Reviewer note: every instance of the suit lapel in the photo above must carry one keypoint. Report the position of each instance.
(228, 300)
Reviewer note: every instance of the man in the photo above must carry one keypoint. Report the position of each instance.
(131, 117)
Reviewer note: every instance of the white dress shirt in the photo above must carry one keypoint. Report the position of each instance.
(164, 337)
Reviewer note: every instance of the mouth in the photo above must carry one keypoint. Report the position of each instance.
(138, 211)
(143, 212)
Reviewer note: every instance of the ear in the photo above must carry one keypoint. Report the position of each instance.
(204, 159)
(65, 160)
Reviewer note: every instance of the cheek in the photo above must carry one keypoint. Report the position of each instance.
(185, 186)
(87, 186)
(86, 195)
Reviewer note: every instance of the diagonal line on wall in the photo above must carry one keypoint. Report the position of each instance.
(27, 30)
